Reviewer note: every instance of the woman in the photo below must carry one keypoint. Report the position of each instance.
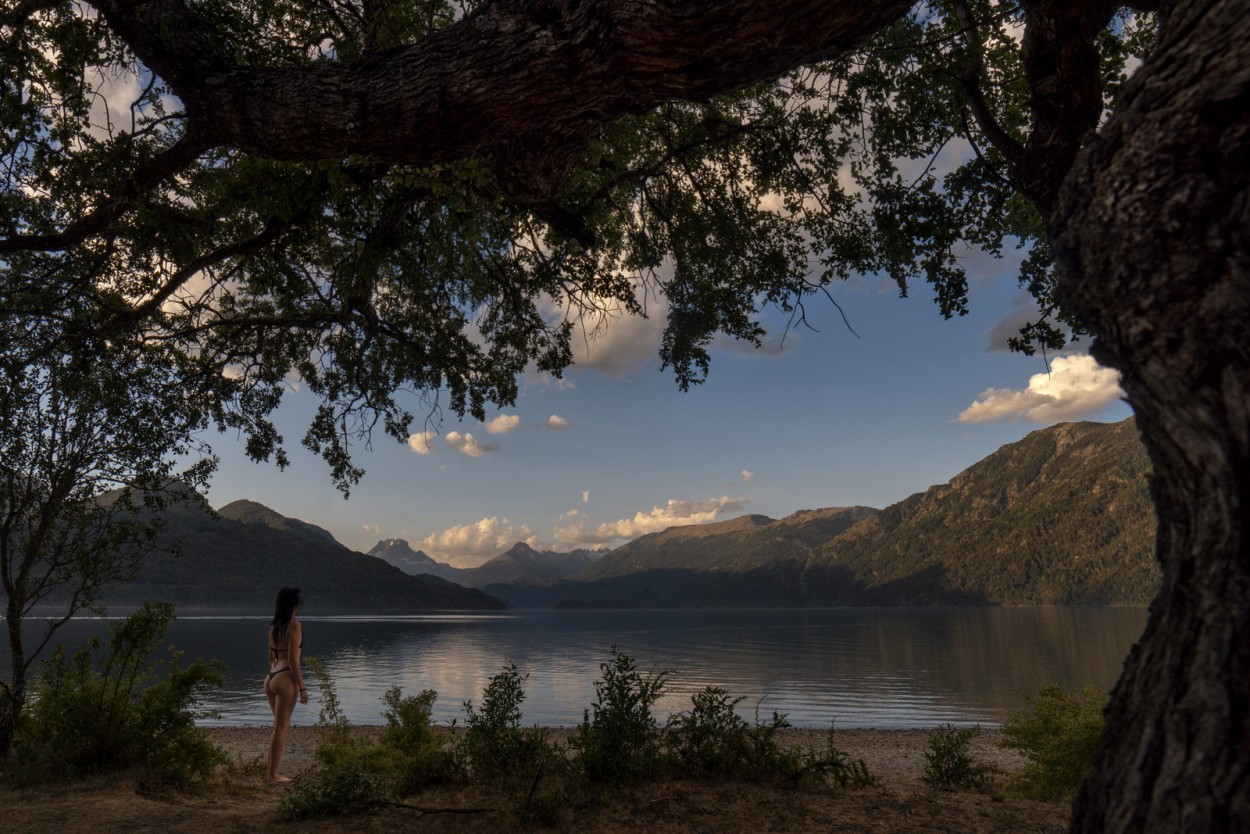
(284, 683)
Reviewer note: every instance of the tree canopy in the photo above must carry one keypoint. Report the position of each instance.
(351, 193)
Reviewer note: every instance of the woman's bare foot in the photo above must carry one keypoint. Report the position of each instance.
(277, 780)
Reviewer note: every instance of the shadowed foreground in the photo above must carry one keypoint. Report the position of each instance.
(901, 803)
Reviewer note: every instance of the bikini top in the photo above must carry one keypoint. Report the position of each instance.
(277, 650)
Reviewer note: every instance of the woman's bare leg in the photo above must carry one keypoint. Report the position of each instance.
(282, 695)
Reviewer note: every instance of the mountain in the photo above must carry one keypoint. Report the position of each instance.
(740, 563)
(400, 554)
(521, 565)
(1062, 516)
(250, 512)
(737, 545)
(237, 559)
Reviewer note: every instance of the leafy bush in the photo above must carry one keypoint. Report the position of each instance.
(950, 766)
(134, 711)
(713, 740)
(494, 743)
(356, 774)
(710, 739)
(408, 734)
(1058, 737)
(618, 739)
(351, 786)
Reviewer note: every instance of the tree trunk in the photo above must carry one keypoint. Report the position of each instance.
(1152, 234)
(12, 702)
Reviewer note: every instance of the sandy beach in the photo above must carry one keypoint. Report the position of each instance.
(239, 803)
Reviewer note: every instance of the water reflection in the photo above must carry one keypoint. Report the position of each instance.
(858, 667)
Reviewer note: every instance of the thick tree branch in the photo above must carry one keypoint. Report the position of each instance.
(524, 83)
(1061, 59)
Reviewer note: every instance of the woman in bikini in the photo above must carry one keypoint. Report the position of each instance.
(284, 683)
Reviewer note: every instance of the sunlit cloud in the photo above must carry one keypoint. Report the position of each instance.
(1076, 387)
(674, 513)
(467, 444)
(469, 545)
(422, 442)
(503, 424)
(608, 338)
(557, 423)
(747, 476)
(585, 496)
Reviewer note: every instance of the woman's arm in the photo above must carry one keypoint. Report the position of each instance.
(295, 636)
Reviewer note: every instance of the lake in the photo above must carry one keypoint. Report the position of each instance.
(883, 667)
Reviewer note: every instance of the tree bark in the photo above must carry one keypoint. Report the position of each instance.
(1152, 234)
(13, 701)
(526, 83)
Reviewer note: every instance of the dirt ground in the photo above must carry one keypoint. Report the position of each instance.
(239, 803)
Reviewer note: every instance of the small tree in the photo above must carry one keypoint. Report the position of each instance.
(87, 451)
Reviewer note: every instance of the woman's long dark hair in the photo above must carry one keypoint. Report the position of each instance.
(283, 608)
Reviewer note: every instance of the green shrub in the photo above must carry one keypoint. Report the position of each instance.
(351, 786)
(494, 743)
(356, 774)
(133, 711)
(710, 739)
(618, 739)
(713, 740)
(422, 756)
(1058, 737)
(949, 764)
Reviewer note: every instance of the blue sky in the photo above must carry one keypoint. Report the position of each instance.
(827, 419)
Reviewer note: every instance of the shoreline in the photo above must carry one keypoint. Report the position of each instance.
(895, 756)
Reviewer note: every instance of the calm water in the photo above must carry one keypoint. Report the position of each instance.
(856, 667)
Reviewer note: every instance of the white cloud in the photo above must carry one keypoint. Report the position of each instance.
(422, 442)
(503, 424)
(673, 514)
(585, 496)
(466, 444)
(556, 423)
(748, 477)
(611, 340)
(469, 545)
(1076, 387)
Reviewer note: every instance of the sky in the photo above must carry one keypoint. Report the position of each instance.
(828, 417)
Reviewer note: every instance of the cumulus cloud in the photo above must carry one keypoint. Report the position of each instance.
(748, 477)
(503, 424)
(611, 340)
(674, 513)
(422, 442)
(466, 444)
(469, 545)
(556, 423)
(1076, 387)
(585, 496)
